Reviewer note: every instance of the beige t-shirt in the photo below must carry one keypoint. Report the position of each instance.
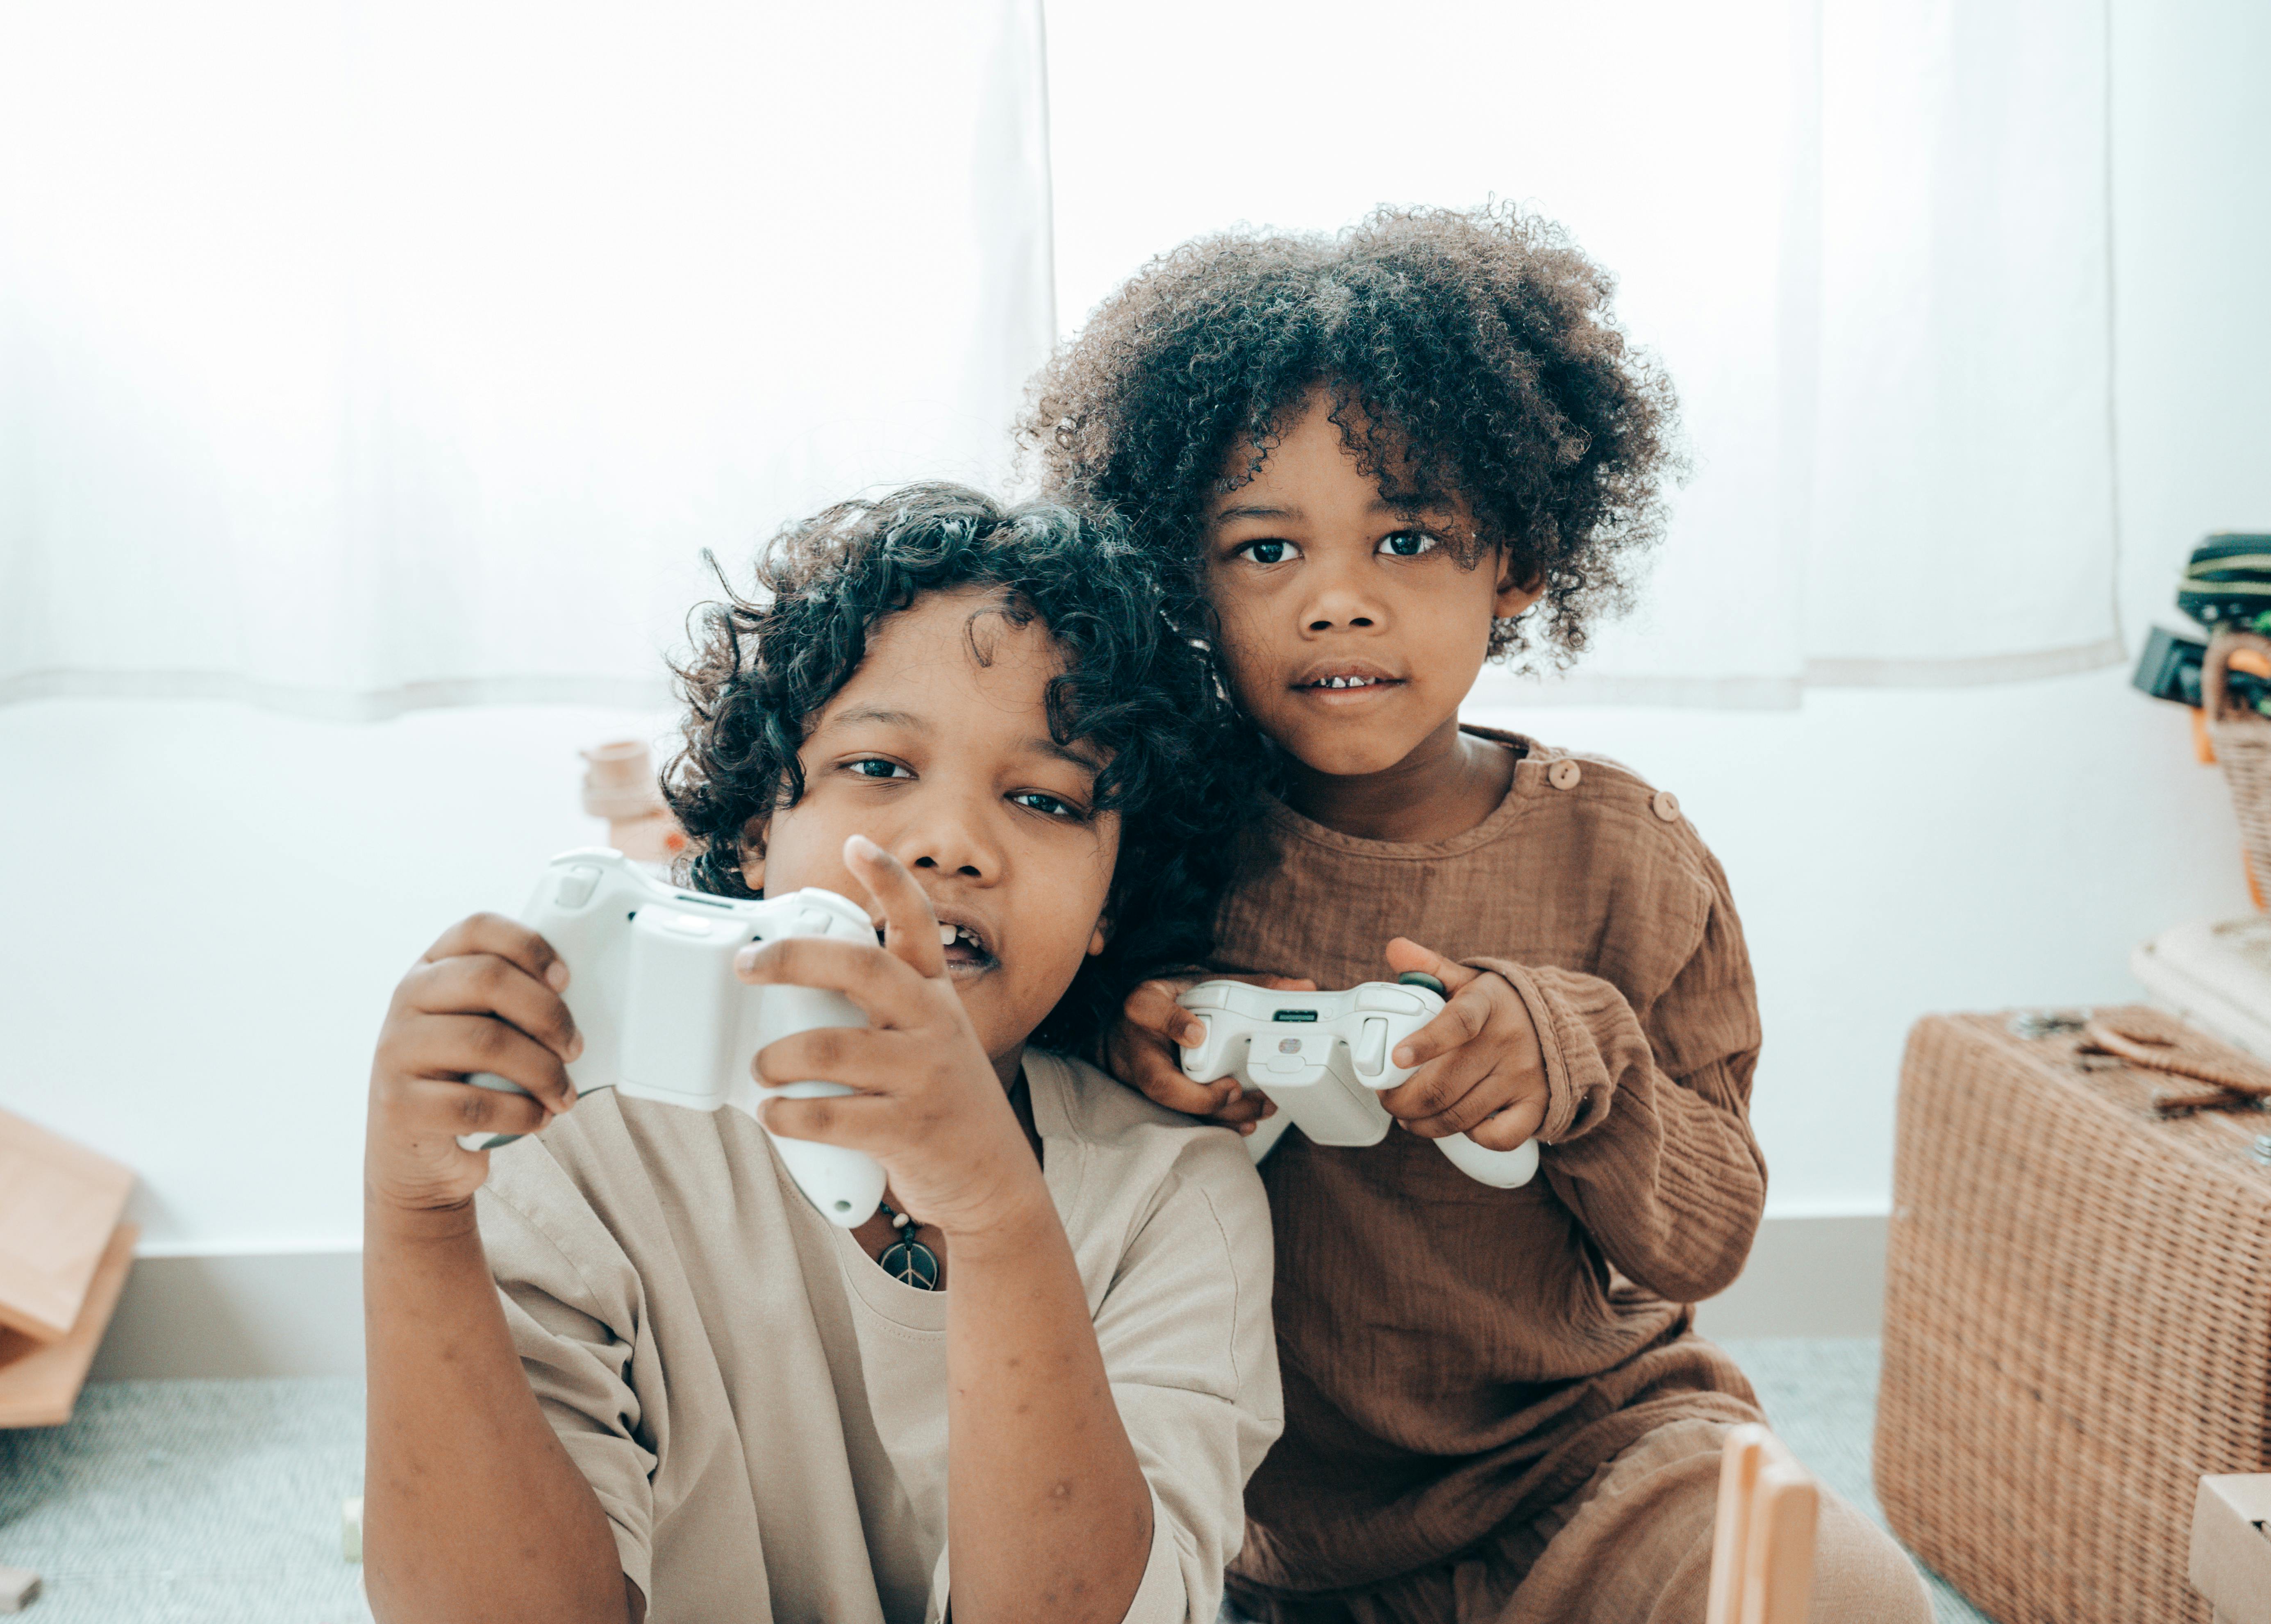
(762, 1410)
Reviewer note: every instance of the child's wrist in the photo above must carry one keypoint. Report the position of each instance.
(1005, 1227)
(397, 1220)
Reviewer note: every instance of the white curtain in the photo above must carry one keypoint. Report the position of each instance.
(377, 355)
(391, 352)
(1868, 237)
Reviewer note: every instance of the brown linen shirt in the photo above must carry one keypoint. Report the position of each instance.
(1456, 1356)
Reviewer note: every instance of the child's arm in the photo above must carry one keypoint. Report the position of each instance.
(1048, 1512)
(1651, 1143)
(471, 1508)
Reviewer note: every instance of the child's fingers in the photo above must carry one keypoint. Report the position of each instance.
(508, 939)
(484, 984)
(1153, 1067)
(867, 1058)
(1279, 983)
(1456, 1025)
(1151, 1008)
(1444, 1096)
(444, 1109)
(858, 1121)
(1510, 1127)
(888, 990)
(910, 928)
(1247, 1106)
(446, 1047)
(1406, 957)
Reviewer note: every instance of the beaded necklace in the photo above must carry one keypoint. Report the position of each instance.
(907, 1259)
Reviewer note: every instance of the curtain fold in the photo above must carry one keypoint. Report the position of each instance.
(359, 358)
(1867, 237)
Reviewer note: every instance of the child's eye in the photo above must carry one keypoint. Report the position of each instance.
(1039, 801)
(877, 767)
(1267, 551)
(1408, 543)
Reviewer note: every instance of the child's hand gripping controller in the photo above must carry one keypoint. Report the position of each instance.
(663, 1017)
(1323, 1058)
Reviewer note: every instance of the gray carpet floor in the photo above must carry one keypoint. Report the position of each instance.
(200, 1502)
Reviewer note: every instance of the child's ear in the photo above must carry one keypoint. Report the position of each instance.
(1513, 595)
(1101, 936)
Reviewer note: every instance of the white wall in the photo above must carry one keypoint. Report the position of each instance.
(206, 906)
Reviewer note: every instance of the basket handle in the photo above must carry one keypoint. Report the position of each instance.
(2215, 698)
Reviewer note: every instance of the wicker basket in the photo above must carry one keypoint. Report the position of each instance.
(2243, 748)
(2077, 1323)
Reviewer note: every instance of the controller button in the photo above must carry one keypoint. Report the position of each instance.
(1388, 1000)
(686, 924)
(1371, 1048)
(576, 887)
(1206, 995)
(1565, 774)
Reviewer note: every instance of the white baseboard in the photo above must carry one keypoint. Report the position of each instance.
(300, 1314)
(261, 1313)
(1808, 1277)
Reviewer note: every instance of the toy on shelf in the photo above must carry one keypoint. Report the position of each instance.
(1325, 1058)
(619, 787)
(663, 1017)
(1762, 1541)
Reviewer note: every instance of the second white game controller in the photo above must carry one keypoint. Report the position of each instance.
(663, 1015)
(1325, 1058)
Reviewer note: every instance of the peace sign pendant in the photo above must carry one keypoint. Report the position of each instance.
(911, 1263)
(908, 1259)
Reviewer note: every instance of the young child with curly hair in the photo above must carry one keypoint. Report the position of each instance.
(1381, 459)
(621, 1367)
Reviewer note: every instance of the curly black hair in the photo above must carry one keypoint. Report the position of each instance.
(1476, 349)
(1134, 685)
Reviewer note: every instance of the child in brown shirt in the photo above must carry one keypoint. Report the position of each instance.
(1384, 458)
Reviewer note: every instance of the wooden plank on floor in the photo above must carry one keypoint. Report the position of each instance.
(39, 1382)
(59, 1202)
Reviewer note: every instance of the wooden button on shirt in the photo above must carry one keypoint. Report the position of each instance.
(1565, 774)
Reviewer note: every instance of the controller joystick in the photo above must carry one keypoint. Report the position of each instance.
(663, 1017)
(1324, 1059)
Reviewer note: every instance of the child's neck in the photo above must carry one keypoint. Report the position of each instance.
(1450, 782)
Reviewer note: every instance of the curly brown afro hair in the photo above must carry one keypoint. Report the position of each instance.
(766, 662)
(1476, 349)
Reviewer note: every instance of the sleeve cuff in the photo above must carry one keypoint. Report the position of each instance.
(1577, 1085)
(632, 1553)
(1165, 1596)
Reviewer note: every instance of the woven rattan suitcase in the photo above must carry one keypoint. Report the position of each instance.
(2077, 1323)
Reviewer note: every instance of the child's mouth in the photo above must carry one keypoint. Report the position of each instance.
(1348, 683)
(965, 950)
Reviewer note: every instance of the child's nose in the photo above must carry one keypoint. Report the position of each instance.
(1341, 601)
(955, 841)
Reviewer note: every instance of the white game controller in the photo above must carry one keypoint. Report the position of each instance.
(652, 988)
(1323, 1058)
